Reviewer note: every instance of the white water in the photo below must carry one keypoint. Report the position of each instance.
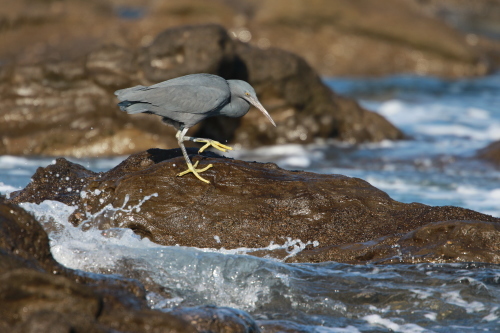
(449, 121)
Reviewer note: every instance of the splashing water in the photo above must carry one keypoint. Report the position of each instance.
(401, 298)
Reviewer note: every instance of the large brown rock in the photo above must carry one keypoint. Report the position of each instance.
(68, 107)
(59, 109)
(254, 205)
(39, 295)
(188, 49)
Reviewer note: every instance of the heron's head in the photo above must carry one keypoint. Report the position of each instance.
(245, 91)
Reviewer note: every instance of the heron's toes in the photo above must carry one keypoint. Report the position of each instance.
(192, 168)
(217, 145)
(221, 146)
(204, 147)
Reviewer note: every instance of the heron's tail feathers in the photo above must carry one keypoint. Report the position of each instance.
(129, 100)
(132, 107)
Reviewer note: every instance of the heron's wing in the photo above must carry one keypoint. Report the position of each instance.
(205, 80)
(200, 80)
(165, 100)
(189, 99)
(194, 93)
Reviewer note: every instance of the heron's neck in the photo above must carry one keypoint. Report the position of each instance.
(238, 107)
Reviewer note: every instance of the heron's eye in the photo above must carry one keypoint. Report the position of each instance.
(247, 94)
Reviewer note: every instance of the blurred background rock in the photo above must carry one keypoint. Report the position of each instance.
(450, 38)
(60, 62)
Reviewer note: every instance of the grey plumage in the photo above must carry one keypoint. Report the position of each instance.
(185, 101)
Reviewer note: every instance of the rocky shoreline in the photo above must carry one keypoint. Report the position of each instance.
(60, 62)
(246, 205)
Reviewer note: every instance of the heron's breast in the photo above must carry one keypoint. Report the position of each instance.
(236, 108)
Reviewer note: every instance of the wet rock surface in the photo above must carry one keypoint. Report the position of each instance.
(68, 107)
(437, 242)
(256, 204)
(39, 295)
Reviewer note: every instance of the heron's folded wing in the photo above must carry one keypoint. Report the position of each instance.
(199, 80)
(179, 98)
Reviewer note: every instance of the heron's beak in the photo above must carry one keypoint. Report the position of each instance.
(259, 106)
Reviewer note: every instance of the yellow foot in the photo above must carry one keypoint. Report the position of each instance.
(192, 168)
(217, 145)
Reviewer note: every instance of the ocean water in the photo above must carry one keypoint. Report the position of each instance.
(447, 121)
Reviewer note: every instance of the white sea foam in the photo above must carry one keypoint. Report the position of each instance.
(297, 161)
(441, 118)
(287, 155)
(419, 190)
(109, 210)
(69, 242)
(286, 149)
(7, 189)
(422, 294)
(158, 302)
(454, 297)
(291, 246)
(431, 315)
(483, 200)
(323, 329)
(483, 133)
(49, 211)
(493, 316)
(13, 162)
(377, 320)
(476, 113)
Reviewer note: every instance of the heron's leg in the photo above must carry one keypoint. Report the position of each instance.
(209, 142)
(191, 168)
